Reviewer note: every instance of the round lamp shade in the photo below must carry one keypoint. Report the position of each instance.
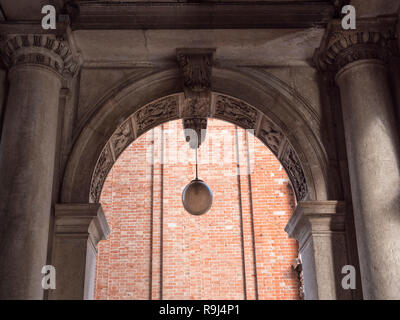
(197, 197)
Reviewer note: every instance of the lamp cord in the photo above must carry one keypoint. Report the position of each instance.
(196, 166)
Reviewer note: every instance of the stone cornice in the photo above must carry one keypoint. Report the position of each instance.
(85, 221)
(38, 49)
(202, 15)
(316, 217)
(373, 39)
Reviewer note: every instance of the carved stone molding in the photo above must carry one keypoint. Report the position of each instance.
(371, 40)
(38, 49)
(156, 112)
(235, 111)
(196, 107)
(226, 108)
(122, 137)
(103, 166)
(291, 163)
(196, 67)
(272, 136)
(148, 117)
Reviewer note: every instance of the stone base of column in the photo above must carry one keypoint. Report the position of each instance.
(319, 226)
(78, 229)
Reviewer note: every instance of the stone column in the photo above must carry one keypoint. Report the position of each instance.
(27, 150)
(2, 95)
(78, 229)
(372, 140)
(319, 226)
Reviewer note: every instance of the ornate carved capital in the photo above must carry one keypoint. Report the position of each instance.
(373, 39)
(45, 50)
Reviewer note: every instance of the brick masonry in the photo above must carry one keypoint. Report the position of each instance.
(156, 250)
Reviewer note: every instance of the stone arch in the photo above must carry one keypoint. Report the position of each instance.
(251, 99)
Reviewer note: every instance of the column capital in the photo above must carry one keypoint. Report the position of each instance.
(78, 229)
(373, 39)
(81, 221)
(319, 226)
(46, 50)
(316, 217)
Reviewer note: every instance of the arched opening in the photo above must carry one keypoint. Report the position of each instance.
(255, 100)
(238, 250)
(259, 100)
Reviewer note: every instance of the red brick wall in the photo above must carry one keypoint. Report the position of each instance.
(154, 243)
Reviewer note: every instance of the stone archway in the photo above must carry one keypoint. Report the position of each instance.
(222, 107)
(282, 120)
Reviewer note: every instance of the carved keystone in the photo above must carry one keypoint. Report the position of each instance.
(196, 67)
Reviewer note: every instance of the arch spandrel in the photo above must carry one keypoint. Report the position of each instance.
(286, 133)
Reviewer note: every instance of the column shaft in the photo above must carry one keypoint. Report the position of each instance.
(373, 150)
(27, 153)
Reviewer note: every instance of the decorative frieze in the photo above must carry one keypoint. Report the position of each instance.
(291, 163)
(146, 118)
(196, 107)
(272, 135)
(371, 40)
(235, 111)
(155, 113)
(38, 49)
(122, 138)
(226, 108)
(103, 166)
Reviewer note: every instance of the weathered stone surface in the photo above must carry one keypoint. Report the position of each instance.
(39, 49)
(235, 111)
(131, 79)
(28, 146)
(319, 226)
(78, 229)
(371, 40)
(373, 151)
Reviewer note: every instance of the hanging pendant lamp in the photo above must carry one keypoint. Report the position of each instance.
(197, 196)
